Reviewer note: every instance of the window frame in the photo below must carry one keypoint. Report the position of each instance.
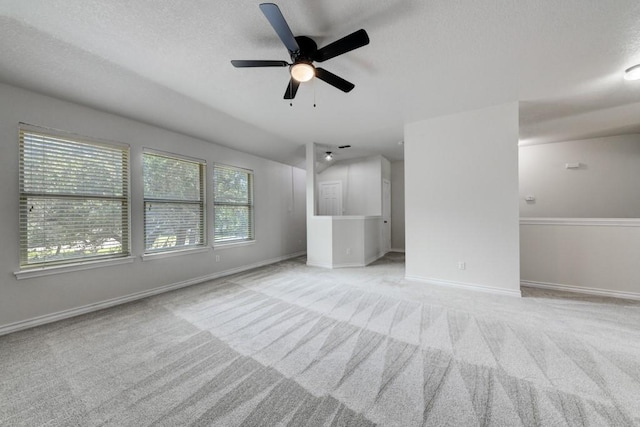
(202, 166)
(250, 205)
(25, 267)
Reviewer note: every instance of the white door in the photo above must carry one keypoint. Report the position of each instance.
(386, 215)
(330, 198)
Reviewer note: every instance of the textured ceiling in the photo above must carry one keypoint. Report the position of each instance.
(166, 63)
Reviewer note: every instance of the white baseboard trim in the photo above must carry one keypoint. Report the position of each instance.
(462, 285)
(65, 314)
(582, 290)
(318, 264)
(374, 258)
(396, 250)
(348, 264)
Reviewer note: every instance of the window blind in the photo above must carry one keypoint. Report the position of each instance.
(74, 198)
(174, 202)
(233, 204)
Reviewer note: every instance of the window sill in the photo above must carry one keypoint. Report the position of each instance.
(58, 269)
(168, 254)
(220, 245)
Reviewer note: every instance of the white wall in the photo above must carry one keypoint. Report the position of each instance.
(605, 186)
(590, 256)
(461, 197)
(397, 205)
(280, 211)
(361, 180)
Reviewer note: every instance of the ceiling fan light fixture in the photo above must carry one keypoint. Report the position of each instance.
(632, 73)
(329, 156)
(303, 72)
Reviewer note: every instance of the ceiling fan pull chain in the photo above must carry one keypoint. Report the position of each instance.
(314, 93)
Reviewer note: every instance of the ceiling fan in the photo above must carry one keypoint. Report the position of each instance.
(304, 52)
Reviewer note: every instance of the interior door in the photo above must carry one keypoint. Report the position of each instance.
(386, 215)
(330, 198)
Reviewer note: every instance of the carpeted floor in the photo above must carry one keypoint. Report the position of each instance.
(293, 345)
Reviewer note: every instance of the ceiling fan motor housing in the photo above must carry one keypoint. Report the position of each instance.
(307, 52)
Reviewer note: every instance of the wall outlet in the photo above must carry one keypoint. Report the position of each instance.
(217, 258)
(348, 251)
(462, 265)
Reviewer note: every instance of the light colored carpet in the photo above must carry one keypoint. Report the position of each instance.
(292, 345)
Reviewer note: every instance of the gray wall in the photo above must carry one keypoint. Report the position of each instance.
(397, 205)
(279, 211)
(606, 185)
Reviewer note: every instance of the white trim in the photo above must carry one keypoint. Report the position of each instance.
(170, 253)
(221, 245)
(319, 265)
(581, 290)
(396, 250)
(461, 285)
(374, 258)
(65, 314)
(348, 264)
(611, 222)
(83, 265)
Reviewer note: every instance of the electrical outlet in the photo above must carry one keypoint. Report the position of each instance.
(217, 258)
(462, 265)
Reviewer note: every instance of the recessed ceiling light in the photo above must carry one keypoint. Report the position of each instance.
(632, 73)
(329, 156)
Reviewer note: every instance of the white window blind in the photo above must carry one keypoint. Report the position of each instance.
(233, 204)
(74, 198)
(174, 202)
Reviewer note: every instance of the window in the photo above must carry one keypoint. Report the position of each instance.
(74, 198)
(233, 202)
(174, 214)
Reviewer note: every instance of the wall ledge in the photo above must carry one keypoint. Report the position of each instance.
(70, 267)
(462, 285)
(610, 222)
(65, 314)
(582, 290)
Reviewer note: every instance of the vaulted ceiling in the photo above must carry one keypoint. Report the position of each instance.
(167, 63)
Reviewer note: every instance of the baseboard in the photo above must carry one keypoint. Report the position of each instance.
(61, 315)
(582, 290)
(318, 264)
(348, 264)
(396, 250)
(374, 258)
(461, 285)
